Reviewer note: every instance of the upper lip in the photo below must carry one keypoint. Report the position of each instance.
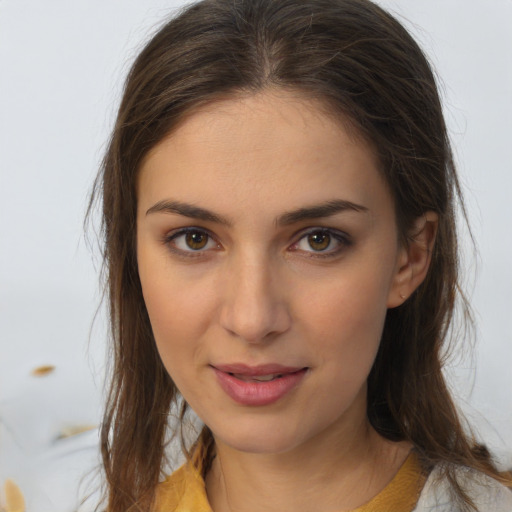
(255, 371)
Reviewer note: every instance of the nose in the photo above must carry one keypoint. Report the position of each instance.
(254, 307)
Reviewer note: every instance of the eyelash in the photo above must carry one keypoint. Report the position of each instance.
(340, 238)
(170, 241)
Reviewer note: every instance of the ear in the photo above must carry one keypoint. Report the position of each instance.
(413, 259)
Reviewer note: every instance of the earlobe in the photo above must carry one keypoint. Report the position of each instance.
(414, 259)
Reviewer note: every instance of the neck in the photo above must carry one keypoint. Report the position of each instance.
(330, 473)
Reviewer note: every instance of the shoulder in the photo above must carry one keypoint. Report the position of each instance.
(486, 493)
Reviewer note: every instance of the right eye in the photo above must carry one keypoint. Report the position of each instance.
(191, 240)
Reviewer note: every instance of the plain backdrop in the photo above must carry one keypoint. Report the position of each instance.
(62, 65)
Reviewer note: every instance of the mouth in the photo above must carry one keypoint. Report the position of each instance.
(258, 385)
(259, 378)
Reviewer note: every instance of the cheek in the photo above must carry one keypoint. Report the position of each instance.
(173, 303)
(176, 328)
(346, 321)
(174, 315)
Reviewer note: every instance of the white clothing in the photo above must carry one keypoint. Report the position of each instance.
(487, 494)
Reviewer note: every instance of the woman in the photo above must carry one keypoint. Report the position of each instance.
(278, 200)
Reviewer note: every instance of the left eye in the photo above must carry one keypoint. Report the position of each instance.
(192, 240)
(320, 241)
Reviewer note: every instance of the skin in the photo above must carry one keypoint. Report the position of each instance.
(258, 289)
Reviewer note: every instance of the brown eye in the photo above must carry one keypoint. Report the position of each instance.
(196, 240)
(322, 243)
(191, 240)
(319, 241)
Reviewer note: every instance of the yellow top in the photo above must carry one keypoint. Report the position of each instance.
(184, 490)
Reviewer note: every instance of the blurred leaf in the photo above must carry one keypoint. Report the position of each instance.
(42, 371)
(74, 430)
(14, 500)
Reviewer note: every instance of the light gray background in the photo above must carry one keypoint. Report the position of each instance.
(62, 65)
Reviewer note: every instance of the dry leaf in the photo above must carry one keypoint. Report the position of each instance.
(14, 500)
(42, 371)
(74, 430)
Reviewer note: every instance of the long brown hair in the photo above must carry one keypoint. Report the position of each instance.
(361, 63)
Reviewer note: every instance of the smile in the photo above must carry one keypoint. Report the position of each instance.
(258, 386)
(261, 378)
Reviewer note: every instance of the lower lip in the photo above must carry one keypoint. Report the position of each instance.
(258, 393)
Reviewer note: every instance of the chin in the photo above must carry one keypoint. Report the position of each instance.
(253, 437)
(257, 444)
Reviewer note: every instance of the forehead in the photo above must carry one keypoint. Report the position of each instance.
(271, 149)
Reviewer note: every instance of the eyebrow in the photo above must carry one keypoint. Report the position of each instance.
(327, 209)
(187, 210)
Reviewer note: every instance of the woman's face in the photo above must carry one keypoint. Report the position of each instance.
(268, 256)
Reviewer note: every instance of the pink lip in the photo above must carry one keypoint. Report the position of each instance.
(251, 392)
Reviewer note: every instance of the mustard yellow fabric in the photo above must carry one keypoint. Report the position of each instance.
(184, 490)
